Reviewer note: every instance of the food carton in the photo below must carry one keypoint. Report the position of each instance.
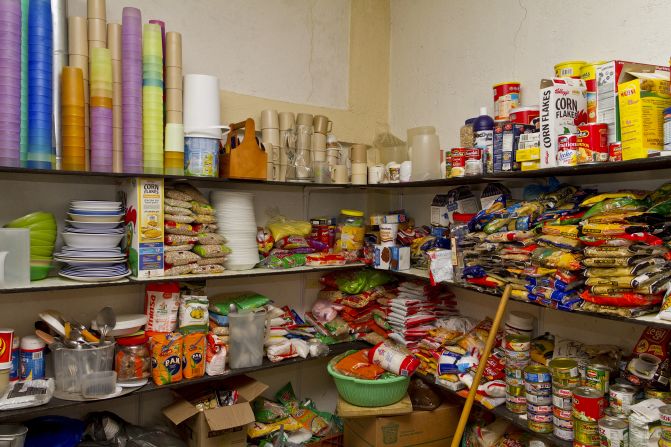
(642, 101)
(563, 104)
(608, 77)
(381, 257)
(143, 203)
(400, 259)
(221, 426)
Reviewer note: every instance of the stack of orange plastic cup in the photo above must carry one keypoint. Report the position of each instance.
(73, 118)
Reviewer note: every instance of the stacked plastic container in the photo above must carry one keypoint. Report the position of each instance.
(24, 83)
(72, 118)
(174, 128)
(131, 89)
(101, 110)
(114, 45)
(152, 99)
(10, 82)
(40, 73)
(97, 35)
(78, 48)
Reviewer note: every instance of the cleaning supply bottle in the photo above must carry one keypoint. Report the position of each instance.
(483, 133)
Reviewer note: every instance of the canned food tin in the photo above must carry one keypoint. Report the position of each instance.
(537, 373)
(667, 129)
(588, 74)
(615, 151)
(563, 392)
(651, 393)
(539, 409)
(524, 115)
(513, 381)
(567, 150)
(613, 432)
(506, 98)
(539, 427)
(588, 404)
(539, 417)
(665, 418)
(538, 388)
(517, 343)
(586, 432)
(564, 368)
(514, 373)
(611, 412)
(458, 157)
(622, 397)
(565, 403)
(518, 355)
(567, 384)
(518, 365)
(562, 423)
(473, 161)
(597, 376)
(563, 433)
(539, 399)
(580, 444)
(562, 414)
(592, 143)
(516, 399)
(512, 390)
(516, 408)
(569, 69)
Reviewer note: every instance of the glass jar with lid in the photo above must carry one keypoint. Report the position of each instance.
(351, 229)
(133, 359)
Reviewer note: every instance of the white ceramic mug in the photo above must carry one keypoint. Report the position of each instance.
(339, 174)
(375, 174)
(405, 172)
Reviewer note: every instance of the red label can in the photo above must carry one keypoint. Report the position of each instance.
(6, 343)
(615, 151)
(458, 156)
(524, 115)
(567, 150)
(592, 143)
(588, 404)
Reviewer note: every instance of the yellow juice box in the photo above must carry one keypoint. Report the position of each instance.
(642, 101)
(142, 199)
(528, 154)
(530, 165)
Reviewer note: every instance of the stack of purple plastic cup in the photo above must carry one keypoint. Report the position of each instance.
(131, 88)
(10, 82)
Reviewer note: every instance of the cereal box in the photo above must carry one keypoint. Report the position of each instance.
(143, 203)
(642, 101)
(563, 104)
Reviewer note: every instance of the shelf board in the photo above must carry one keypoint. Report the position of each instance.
(646, 320)
(58, 283)
(58, 404)
(638, 165)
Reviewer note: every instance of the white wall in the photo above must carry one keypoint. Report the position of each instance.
(446, 55)
(295, 51)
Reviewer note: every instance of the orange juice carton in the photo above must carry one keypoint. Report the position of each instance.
(642, 99)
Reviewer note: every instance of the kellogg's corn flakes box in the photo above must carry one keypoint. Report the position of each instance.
(143, 203)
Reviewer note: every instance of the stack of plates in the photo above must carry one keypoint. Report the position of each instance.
(237, 223)
(92, 238)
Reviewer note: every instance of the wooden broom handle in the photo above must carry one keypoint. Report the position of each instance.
(491, 339)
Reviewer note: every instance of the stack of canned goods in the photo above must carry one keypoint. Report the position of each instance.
(622, 397)
(665, 418)
(565, 378)
(614, 431)
(589, 405)
(597, 376)
(538, 386)
(517, 358)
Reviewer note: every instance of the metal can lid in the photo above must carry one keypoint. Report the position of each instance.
(613, 422)
(563, 363)
(587, 391)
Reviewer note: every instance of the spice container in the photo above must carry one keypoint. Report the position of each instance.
(466, 138)
(133, 359)
(350, 230)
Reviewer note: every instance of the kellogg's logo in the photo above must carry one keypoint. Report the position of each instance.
(561, 91)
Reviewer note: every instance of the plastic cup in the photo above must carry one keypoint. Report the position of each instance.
(74, 141)
(73, 121)
(73, 110)
(72, 131)
(97, 101)
(10, 162)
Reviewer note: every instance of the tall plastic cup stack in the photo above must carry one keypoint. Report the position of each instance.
(131, 89)
(152, 99)
(78, 49)
(10, 82)
(24, 84)
(59, 22)
(101, 110)
(72, 117)
(114, 45)
(174, 128)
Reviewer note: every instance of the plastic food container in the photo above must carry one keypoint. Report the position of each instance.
(12, 435)
(350, 230)
(368, 393)
(97, 384)
(133, 359)
(71, 365)
(248, 332)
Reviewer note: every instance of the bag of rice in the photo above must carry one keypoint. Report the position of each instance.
(192, 192)
(179, 270)
(205, 269)
(178, 203)
(201, 208)
(175, 258)
(204, 218)
(178, 218)
(210, 238)
(211, 251)
(178, 211)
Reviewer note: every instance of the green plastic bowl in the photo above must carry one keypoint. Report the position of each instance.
(38, 272)
(368, 393)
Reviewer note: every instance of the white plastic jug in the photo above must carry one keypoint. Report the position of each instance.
(14, 257)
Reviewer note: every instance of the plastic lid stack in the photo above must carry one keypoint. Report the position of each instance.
(40, 88)
(23, 141)
(174, 128)
(101, 110)
(114, 45)
(72, 117)
(78, 47)
(131, 89)
(152, 99)
(10, 82)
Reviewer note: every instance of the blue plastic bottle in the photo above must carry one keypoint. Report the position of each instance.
(483, 134)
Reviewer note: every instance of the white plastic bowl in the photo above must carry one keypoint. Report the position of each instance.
(87, 218)
(125, 324)
(83, 240)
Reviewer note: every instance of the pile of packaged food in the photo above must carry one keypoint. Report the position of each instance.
(192, 245)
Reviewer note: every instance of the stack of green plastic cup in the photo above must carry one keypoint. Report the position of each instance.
(152, 99)
(23, 145)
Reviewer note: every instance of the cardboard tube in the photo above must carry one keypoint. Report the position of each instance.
(78, 40)
(97, 30)
(173, 49)
(114, 40)
(491, 339)
(174, 99)
(174, 116)
(96, 9)
(173, 77)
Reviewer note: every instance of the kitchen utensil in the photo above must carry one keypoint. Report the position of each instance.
(106, 320)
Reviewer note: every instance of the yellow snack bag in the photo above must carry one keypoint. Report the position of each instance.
(259, 429)
(166, 358)
(194, 355)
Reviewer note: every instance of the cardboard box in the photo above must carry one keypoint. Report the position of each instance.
(400, 258)
(143, 203)
(642, 101)
(426, 428)
(563, 104)
(218, 427)
(608, 78)
(530, 165)
(381, 257)
(530, 154)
